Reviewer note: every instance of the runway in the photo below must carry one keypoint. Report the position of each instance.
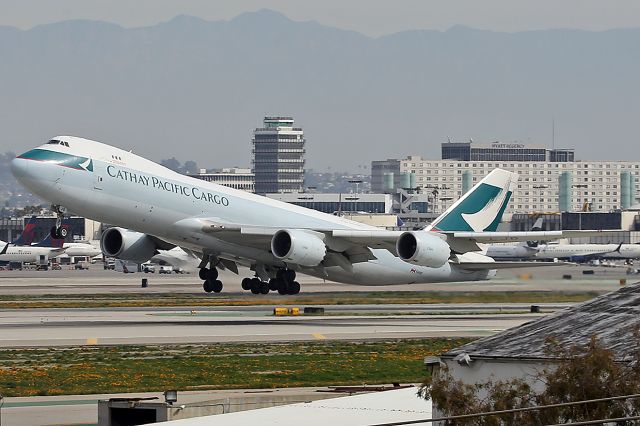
(69, 327)
(99, 281)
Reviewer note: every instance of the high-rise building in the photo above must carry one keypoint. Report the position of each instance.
(278, 156)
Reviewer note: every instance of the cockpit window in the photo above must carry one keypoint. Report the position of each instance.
(57, 142)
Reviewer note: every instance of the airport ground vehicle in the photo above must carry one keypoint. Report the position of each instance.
(82, 266)
(148, 268)
(165, 269)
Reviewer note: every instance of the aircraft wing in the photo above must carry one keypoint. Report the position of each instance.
(342, 239)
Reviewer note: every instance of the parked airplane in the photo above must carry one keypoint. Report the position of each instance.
(531, 250)
(228, 227)
(21, 250)
(30, 254)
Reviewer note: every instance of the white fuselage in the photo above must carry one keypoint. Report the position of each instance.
(82, 249)
(564, 251)
(127, 190)
(28, 254)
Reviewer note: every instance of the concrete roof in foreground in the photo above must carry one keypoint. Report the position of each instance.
(367, 409)
(612, 317)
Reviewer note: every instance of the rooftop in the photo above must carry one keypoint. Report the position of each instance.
(612, 317)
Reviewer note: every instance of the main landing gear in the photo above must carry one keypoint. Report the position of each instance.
(58, 232)
(211, 282)
(284, 283)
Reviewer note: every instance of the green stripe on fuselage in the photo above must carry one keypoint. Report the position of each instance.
(60, 158)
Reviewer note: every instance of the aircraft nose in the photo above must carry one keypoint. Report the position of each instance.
(19, 167)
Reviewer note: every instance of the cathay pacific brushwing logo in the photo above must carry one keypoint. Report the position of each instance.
(483, 219)
(87, 165)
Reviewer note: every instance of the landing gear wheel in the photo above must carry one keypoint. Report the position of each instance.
(207, 286)
(58, 233)
(208, 274)
(255, 286)
(264, 287)
(273, 284)
(289, 275)
(246, 284)
(203, 274)
(212, 274)
(294, 287)
(216, 285)
(282, 287)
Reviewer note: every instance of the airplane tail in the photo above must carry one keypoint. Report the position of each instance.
(481, 208)
(28, 234)
(537, 226)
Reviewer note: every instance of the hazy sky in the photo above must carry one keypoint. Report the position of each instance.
(371, 17)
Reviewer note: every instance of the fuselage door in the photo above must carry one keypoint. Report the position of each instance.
(97, 181)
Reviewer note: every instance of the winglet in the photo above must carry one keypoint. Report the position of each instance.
(481, 208)
(4, 250)
(618, 248)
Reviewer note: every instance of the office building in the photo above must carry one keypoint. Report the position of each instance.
(586, 185)
(278, 156)
(233, 177)
(500, 151)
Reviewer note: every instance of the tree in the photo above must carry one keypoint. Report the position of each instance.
(578, 374)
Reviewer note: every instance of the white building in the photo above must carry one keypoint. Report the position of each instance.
(522, 352)
(233, 177)
(595, 182)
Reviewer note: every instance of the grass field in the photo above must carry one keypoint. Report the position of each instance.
(89, 370)
(343, 298)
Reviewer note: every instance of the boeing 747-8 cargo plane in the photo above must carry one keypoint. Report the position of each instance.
(227, 227)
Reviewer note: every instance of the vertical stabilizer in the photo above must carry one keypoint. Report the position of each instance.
(481, 208)
(28, 234)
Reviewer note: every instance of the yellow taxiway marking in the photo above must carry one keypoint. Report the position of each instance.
(92, 341)
(319, 336)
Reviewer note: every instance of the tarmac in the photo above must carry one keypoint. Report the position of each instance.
(252, 323)
(99, 281)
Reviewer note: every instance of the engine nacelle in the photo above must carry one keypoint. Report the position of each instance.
(299, 247)
(127, 245)
(423, 249)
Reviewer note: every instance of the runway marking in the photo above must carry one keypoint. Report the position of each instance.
(319, 336)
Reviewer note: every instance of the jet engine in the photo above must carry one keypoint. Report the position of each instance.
(299, 247)
(423, 248)
(127, 245)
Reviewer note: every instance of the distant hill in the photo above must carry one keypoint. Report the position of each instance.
(195, 89)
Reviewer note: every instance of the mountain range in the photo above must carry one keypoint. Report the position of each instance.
(194, 89)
